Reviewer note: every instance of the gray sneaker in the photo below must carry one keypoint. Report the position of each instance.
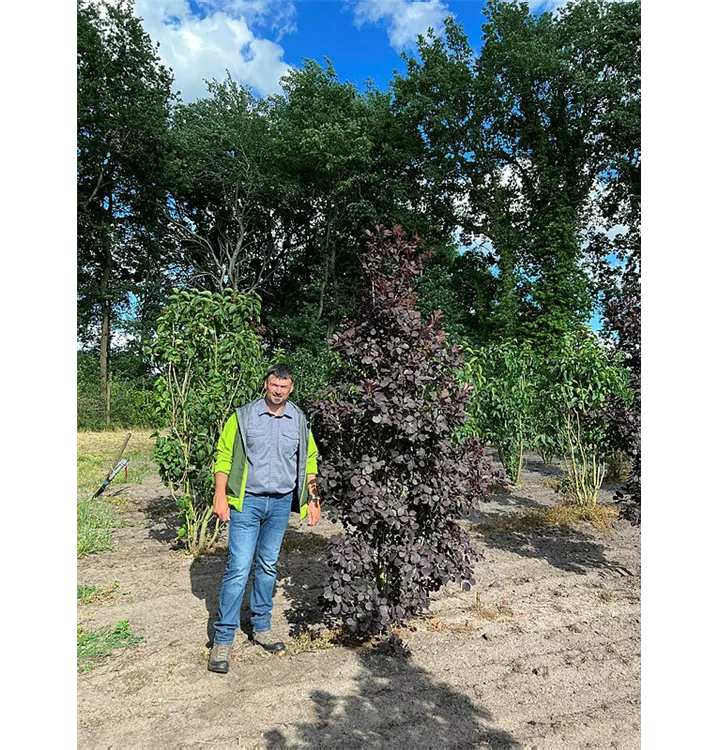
(269, 642)
(219, 658)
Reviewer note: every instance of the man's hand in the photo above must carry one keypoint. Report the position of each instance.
(314, 511)
(221, 507)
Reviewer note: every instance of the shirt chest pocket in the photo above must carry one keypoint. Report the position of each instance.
(254, 437)
(288, 441)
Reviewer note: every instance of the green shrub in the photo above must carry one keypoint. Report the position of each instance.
(503, 401)
(581, 379)
(131, 401)
(210, 357)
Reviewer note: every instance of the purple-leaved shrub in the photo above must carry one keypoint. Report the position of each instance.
(624, 318)
(393, 469)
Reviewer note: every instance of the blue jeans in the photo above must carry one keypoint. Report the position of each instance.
(255, 535)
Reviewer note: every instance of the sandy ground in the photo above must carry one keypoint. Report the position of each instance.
(559, 667)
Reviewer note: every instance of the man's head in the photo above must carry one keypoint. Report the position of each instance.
(279, 384)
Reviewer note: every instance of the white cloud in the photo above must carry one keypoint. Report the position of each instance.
(549, 6)
(406, 18)
(545, 5)
(204, 47)
(278, 15)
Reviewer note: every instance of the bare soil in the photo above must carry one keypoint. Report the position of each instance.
(550, 659)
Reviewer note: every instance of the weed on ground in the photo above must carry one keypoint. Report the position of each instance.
(95, 521)
(89, 594)
(94, 647)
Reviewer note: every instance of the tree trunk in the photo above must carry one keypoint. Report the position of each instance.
(328, 261)
(507, 311)
(105, 334)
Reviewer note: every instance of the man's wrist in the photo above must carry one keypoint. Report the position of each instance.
(314, 498)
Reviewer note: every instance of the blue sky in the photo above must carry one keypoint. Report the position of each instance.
(259, 40)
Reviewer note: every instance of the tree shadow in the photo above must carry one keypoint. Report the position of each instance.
(163, 518)
(506, 500)
(303, 572)
(395, 704)
(300, 571)
(567, 549)
(536, 464)
(205, 575)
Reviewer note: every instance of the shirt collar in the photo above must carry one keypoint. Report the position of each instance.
(288, 410)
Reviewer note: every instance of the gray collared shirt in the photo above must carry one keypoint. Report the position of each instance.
(272, 444)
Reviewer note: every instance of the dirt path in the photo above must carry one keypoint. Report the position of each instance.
(558, 666)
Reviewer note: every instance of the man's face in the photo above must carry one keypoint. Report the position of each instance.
(278, 389)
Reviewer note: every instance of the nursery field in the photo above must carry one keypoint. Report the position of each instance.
(543, 653)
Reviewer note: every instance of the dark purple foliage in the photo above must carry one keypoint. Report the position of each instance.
(624, 318)
(392, 469)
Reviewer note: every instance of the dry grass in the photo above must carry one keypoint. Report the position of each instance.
(487, 613)
(89, 594)
(310, 641)
(482, 611)
(106, 444)
(555, 517)
(463, 627)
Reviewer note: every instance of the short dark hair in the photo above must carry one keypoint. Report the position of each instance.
(280, 371)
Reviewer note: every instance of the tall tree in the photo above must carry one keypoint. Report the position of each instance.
(227, 197)
(337, 151)
(518, 140)
(123, 105)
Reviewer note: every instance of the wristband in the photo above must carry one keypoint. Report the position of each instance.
(314, 497)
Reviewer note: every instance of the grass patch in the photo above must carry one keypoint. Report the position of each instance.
(94, 647)
(95, 453)
(310, 640)
(89, 594)
(97, 450)
(95, 521)
(555, 517)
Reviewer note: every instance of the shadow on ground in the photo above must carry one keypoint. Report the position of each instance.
(301, 572)
(570, 550)
(164, 521)
(395, 704)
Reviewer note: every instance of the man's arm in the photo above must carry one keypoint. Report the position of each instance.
(221, 468)
(314, 509)
(221, 506)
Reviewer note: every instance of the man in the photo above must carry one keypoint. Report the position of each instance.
(266, 466)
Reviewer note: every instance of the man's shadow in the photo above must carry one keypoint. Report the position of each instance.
(206, 575)
(301, 573)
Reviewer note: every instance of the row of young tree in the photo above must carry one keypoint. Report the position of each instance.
(519, 166)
